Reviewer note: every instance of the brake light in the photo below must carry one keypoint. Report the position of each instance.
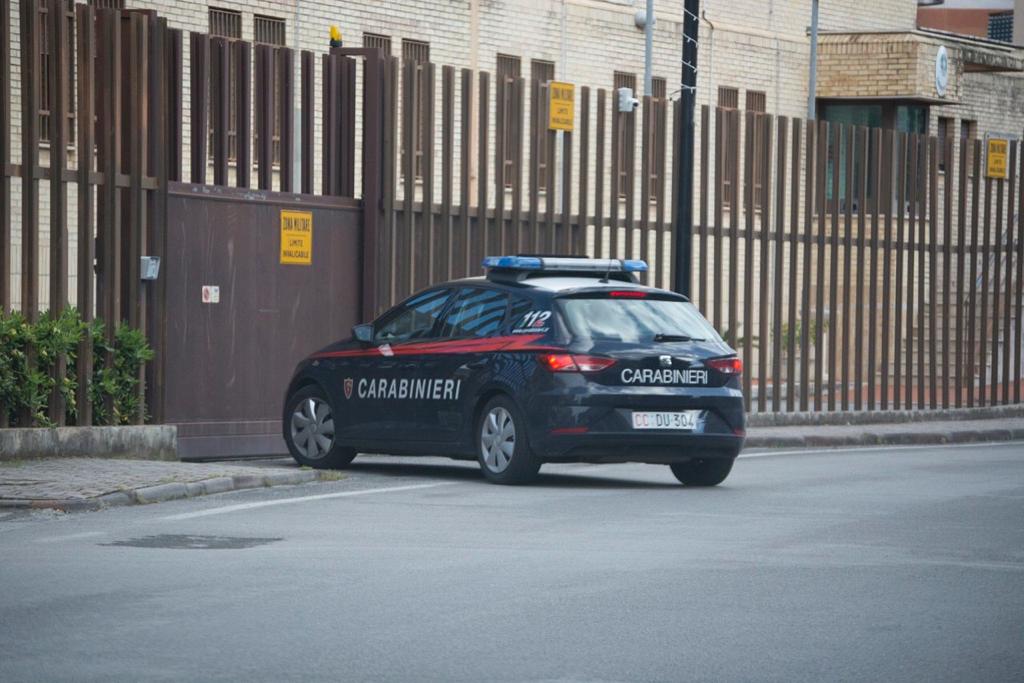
(727, 366)
(566, 362)
(627, 294)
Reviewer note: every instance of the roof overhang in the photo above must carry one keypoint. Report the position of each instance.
(902, 65)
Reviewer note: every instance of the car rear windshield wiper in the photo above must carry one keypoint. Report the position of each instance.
(660, 337)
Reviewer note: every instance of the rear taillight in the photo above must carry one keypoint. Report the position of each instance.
(627, 294)
(726, 366)
(568, 362)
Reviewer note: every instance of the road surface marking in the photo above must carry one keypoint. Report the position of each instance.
(300, 499)
(846, 449)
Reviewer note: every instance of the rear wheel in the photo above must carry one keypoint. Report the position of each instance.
(502, 447)
(702, 471)
(309, 431)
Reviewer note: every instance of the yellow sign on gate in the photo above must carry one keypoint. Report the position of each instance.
(561, 105)
(996, 165)
(297, 238)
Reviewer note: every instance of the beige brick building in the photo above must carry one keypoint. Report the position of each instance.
(875, 66)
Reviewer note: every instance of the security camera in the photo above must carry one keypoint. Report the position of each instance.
(627, 103)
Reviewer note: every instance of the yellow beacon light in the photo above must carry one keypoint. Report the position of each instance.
(335, 36)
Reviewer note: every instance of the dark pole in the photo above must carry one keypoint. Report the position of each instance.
(684, 180)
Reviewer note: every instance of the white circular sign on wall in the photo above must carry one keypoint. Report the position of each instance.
(942, 71)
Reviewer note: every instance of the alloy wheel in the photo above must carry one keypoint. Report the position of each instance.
(497, 439)
(312, 428)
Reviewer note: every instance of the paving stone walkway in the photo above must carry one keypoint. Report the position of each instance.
(90, 483)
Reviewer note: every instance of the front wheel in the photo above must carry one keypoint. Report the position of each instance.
(309, 431)
(502, 447)
(702, 471)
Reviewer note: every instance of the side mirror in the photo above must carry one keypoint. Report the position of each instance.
(363, 333)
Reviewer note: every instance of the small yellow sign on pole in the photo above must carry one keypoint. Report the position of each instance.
(561, 105)
(297, 238)
(996, 165)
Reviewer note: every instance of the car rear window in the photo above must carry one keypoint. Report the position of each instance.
(634, 320)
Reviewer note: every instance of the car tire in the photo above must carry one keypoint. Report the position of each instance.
(702, 471)
(309, 431)
(502, 444)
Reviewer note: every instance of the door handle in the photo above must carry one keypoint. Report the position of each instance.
(475, 364)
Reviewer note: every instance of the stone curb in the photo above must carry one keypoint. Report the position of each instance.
(173, 491)
(870, 438)
(841, 418)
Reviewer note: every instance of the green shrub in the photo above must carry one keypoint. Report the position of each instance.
(25, 386)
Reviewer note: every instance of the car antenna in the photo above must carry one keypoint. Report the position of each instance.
(607, 273)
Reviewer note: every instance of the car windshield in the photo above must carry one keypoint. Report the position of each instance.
(636, 320)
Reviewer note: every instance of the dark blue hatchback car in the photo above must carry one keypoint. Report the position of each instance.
(545, 359)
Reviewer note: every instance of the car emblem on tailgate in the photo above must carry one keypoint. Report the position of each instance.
(665, 361)
(348, 387)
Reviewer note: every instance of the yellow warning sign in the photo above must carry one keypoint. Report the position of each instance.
(297, 237)
(996, 165)
(561, 105)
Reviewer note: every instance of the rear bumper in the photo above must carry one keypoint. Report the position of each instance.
(634, 447)
(597, 426)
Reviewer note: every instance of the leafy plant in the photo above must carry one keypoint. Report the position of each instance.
(30, 351)
(118, 381)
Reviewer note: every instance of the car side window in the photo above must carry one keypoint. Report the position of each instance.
(521, 305)
(415, 319)
(476, 313)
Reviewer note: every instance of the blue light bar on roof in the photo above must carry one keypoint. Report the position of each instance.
(565, 263)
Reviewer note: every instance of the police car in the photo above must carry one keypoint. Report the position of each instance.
(544, 359)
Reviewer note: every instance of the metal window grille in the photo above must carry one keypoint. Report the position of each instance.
(757, 101)
(729, 98)
(44, 86)
(622, 174)
(227, 24)
(542, 71)
(271, 31)
(509, 69)
(379, 41)
(418, 52)
(1000, 27)
(659, 87)
(107, 4)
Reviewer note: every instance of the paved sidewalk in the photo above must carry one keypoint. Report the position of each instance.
(93, 483)
(932, 432)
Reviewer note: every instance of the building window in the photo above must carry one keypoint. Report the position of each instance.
(44, 85)
(658, 87)
(542, 71)
(227, 24)
(379, 41)
(107, 4)
(729, 99)
(509, 69)
(1000, 26)
(757, 101)
(269, 31)
(622, 173)
(417, 52)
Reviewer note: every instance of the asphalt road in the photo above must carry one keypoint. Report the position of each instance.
(886, 564)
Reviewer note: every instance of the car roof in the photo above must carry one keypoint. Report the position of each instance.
(557, 284)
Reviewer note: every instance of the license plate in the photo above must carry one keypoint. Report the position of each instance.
(686, 419)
